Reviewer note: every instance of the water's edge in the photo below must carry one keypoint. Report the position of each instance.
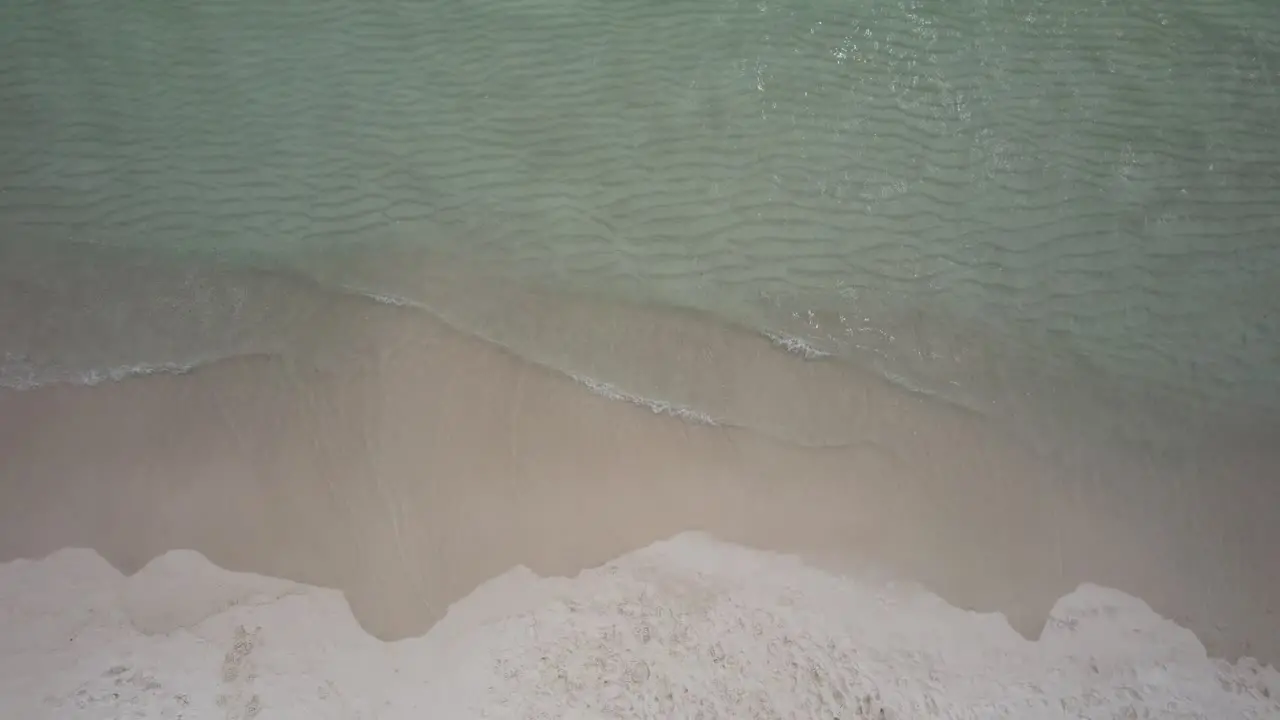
(448, 458)
(84, 314)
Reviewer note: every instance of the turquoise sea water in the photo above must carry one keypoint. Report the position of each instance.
(1033, 209)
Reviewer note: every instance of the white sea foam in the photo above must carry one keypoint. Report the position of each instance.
(686, 628)
(599, 387)
(19, 374)
(660, 407)
(796, 346)
(393, 300)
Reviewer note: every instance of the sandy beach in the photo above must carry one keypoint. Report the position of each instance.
(542, 359)
(685, 628)
(405, 464)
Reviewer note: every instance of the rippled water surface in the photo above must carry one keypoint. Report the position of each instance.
(1002, 203)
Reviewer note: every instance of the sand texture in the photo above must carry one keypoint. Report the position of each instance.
(405, 463)
(689, 627)
(392, 298)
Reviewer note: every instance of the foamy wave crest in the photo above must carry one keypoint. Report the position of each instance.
(604, 389)
(660, 407)
(18, 373)
(796, 346)
(393, 300)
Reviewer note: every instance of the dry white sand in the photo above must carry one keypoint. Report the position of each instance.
(689, 627)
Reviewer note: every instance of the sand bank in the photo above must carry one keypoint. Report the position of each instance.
(405, 463)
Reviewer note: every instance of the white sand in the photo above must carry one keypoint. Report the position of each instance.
(689, 627)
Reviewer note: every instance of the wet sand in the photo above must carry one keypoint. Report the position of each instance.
(413, 462)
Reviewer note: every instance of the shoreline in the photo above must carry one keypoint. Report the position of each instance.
(685, 623)
(64, 316)
(405, 463)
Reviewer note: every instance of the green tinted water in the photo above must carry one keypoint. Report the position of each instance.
(979, 199)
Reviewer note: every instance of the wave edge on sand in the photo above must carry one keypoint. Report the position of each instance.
(687, 625)
(361, 456)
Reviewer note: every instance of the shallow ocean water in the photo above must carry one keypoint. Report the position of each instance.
(985, 200)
